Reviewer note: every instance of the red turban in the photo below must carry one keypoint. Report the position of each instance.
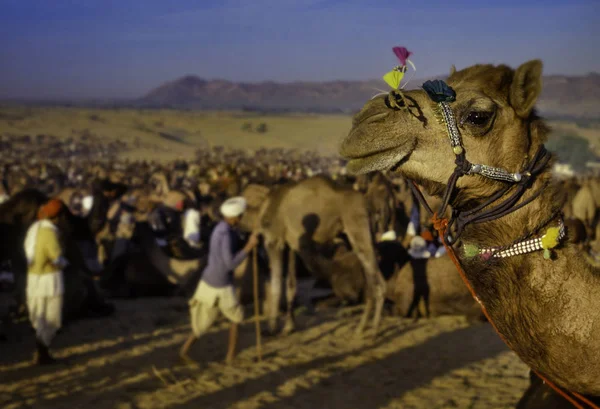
(51, 209)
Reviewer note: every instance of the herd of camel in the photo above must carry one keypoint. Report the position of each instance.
(323, 217)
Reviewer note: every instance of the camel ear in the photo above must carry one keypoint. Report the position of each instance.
(526, 87)
(452, 70)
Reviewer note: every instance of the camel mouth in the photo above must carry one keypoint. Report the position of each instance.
(389, 159)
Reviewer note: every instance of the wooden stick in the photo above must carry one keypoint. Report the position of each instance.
(159, 376)
(256, 303)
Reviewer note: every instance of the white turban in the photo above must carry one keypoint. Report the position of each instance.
(233, 207)
(87, 203)
(418, 248)
(388, 236)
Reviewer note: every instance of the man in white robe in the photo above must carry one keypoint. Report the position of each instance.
(45, 281)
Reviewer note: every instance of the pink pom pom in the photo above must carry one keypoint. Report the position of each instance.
(402, 53)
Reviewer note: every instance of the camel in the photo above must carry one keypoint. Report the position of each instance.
(305, 216)
(449, 296)
(547, 310)
(381, 204)
(406, 201)
(571, 186)
(147, 270)
(585, 207)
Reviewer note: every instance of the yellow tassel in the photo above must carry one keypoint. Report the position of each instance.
(470, 250)
(550, 239)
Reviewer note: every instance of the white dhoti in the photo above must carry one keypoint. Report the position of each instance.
(206, 304)
(44, 302)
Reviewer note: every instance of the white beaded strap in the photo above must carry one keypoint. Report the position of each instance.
(523, 247)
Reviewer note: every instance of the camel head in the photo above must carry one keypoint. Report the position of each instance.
(494, 112)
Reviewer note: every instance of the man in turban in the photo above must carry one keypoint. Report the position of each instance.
(45, 283)
(216, 292)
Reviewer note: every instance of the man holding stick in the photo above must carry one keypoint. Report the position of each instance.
(215, 291)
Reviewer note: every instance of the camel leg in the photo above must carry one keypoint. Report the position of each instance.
(291, 285)
(276, 261)
(356, 227)
(392, 220)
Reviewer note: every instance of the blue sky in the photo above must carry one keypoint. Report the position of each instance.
(123, 48)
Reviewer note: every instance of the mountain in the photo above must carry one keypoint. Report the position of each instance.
(574, 96)
(333, 96)
(568, 96)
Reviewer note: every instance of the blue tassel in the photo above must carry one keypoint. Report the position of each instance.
(439, 91)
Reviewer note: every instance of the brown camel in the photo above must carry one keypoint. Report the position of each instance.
(306, 216)
(381, 204)
(584, 208)
(148, 271)
(571, 186)
(548, 311)
(449, 296)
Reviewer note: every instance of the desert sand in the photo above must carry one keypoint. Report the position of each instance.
(130, 361)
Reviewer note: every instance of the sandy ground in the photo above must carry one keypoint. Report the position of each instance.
(129, 361)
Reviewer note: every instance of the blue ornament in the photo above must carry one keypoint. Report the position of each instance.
(439, 91)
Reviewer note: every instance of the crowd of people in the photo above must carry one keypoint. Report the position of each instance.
(151, 191)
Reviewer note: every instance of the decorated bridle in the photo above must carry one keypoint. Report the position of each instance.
(442, 95)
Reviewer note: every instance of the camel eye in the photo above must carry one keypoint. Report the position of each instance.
(478, 118)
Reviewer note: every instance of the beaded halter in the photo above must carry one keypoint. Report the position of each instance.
(546, 243)
(442, 94)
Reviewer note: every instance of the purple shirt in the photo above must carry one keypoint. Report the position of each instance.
(221, 260)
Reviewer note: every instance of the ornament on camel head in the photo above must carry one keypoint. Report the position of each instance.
(394, 78)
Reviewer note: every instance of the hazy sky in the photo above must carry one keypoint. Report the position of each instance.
(123, 48)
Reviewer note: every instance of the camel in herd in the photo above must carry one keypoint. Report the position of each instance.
(585, 204)
(304, 217)
(448, 294)
(547, 310)
(381, 204)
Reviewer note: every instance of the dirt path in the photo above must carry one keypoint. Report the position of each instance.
(130, 361)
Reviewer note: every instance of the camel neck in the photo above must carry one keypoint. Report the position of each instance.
(528, 220)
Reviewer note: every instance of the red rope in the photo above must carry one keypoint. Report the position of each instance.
(441, 226)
